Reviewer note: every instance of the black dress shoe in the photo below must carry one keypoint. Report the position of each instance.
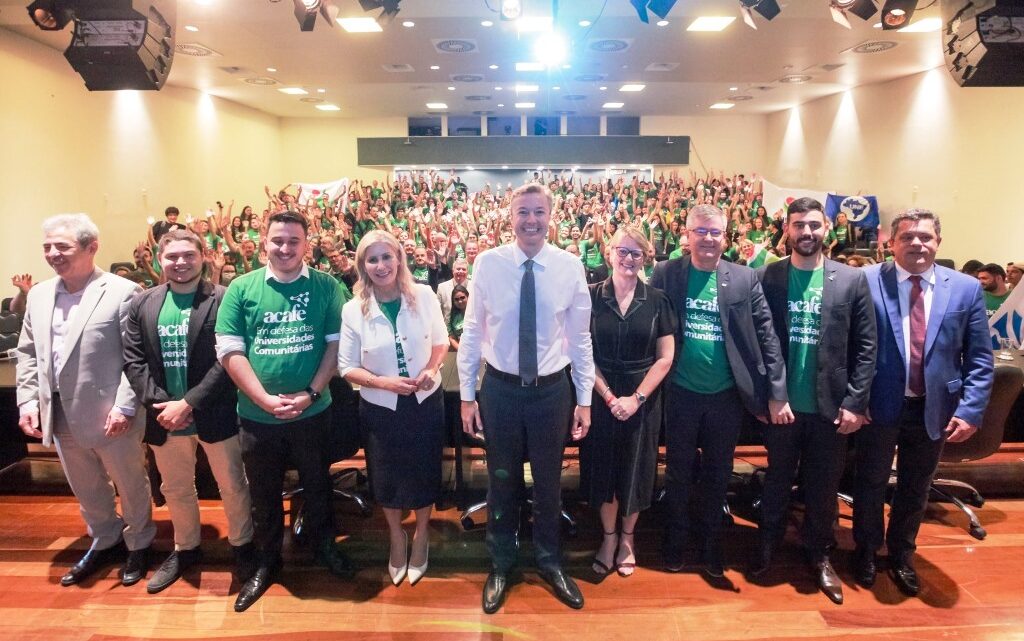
(245, 561)
(172, 568)
(135, 566)
(828, 581)
(329, 556)
(495, 589)
(92, 561)
(672, 558)
(864, 568)
(711, 561)
(565, 588)
(254, 588)
(904, 576)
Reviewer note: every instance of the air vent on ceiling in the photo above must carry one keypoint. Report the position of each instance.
(575, 96)
(741, 98)
(455, 45)
(194, 49)
(262, 81)
(400, 67)
(484, 112)
(832, 67)
(467, 77)
(233, 70)
(610, 45)
(591, 77)
(661, 66)
(761, 88)
(794, 79)
(876, 46)
(311, 100)
(564, 112)
(478, 98)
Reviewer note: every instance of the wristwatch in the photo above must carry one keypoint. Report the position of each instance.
(640, 397)
(313, 395)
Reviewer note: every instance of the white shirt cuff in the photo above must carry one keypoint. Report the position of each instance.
(332, 338)
(227, 344)
(127, 411)
(28, 407)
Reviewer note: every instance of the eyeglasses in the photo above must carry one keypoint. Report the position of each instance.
(624, 252)
(704, 231)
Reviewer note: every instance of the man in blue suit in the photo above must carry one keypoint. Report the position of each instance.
(932, 384)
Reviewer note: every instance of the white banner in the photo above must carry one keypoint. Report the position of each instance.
(775, 196)
(331, 190)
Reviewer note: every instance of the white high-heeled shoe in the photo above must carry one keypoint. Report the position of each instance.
(416, 572)
(397, 574)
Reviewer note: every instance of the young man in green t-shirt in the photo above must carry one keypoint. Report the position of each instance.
(993, 283)
(171, 364)
(824, 316)
(277, 337)
(728, 358)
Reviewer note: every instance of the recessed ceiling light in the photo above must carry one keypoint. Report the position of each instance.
(877, 25)
(612, 105)
(504, 166)
(469, 169)
(497, 88)
(501, 105)
(530, 24)
(191, 28)
(436, 105)
(434, 67)
(493, 67)
(272, 69)
(526, 88)
(321, 90)
(585, 23)
(486, 23)
(924, 26)
(408, 23)
(662, 23)
(556, 88)
(328, 107)
(734, 88)
(632, 87)
(710, 23)
(451, 88)
(293, 91)
(525, 105)
(530, 66)
(603, 88)
(723, 105)
(359, 25)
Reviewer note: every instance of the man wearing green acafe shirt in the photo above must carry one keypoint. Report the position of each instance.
(170, 361)
(277, 337)
(825, 320)
(728, 358)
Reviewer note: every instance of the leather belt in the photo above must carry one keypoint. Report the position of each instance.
(541, 381)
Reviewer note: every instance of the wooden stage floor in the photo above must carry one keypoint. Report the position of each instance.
(972, 590)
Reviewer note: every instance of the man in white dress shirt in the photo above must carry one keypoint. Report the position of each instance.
(460, 276)
(528, 318)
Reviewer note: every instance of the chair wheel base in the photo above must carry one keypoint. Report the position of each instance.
(978, 532)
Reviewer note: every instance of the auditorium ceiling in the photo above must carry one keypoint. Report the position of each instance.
(246, 51)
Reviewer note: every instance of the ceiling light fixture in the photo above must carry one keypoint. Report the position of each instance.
(662, 23)
(486, 23)
(408, 24)
(434, 67)
(526, 88)
(451, 88)
(191, 28)
(585, 23)
(612, 105)
(710, 23)
(734, 88)
(525, 105)
(863, 9)
(493, 67)
(272, 69)
(293, 91)
(632, 87)
(723, 105)
(767, 9)
(530, 66)
(603, 88)
(305, 13)
(328, 107)
(321, 90)
(436, 106)
(551, 49)
(360, 25)
(511, 9)
(897, 14)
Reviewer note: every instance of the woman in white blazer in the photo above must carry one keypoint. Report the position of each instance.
(393, 340)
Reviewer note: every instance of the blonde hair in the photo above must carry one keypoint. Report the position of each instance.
(636, 236)
(363, 289)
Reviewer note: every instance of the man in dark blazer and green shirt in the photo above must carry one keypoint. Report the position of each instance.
(825, 320)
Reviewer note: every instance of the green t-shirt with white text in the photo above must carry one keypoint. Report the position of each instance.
(172, 330)
(804, 303)
(702, 364)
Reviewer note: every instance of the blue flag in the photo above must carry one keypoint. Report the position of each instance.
(861, 211)
(1008, 320)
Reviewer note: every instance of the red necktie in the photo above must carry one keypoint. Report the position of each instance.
(917, 335)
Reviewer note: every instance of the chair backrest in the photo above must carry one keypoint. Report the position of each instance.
(1009, 380)
(10, 323)
(5, 305)
(8, 340)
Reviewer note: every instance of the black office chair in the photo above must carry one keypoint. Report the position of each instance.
(345, 443)
(10, 330)
(1007, 387)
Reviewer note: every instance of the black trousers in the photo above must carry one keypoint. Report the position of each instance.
(267, 449)
(520, 424)
(915, 467)
(812, 445)
(710, 422)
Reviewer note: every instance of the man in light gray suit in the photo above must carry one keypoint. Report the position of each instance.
(71, 391)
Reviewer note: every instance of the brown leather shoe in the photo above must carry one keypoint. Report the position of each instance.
(828, 581)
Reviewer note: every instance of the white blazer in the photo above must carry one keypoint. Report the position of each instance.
(369, 342)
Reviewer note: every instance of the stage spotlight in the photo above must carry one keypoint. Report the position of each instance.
(659, 8)
(389, 9)
(511, 9)
(897, 14)
(863, 9)
(48, 15)
(767, 8)
(305, 13)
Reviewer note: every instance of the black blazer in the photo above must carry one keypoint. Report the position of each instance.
(755, 356)
(210, 391)
(849, 339)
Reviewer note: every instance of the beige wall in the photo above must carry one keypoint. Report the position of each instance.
(118, 156)
(735, 144)
(919, 141)
(317, 150)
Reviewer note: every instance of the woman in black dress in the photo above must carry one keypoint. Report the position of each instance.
(633, 326)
